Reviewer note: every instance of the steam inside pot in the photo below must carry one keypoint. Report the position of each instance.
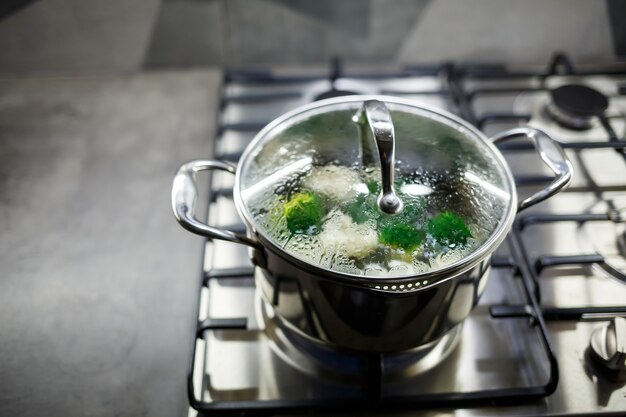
(312, 190)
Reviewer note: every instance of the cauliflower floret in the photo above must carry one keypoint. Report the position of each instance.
(401, 267)
(340, 233)
(337, 182)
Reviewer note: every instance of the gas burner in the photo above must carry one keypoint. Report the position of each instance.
(575, 106)
(327, 361)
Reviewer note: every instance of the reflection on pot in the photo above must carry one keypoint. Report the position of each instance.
(362, 319)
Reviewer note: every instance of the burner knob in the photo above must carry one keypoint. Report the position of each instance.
(608, 348)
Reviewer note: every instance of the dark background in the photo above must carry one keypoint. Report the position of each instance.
(86, 36)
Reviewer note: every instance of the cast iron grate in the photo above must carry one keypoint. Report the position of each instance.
(520, 264)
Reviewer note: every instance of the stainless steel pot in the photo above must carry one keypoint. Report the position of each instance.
(365, 313)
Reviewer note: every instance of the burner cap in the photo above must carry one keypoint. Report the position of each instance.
(333, 93)
(579, 100)
(575, 106)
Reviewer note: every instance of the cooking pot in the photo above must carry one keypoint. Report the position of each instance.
(361, 308)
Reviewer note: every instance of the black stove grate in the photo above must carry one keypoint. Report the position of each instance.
(520, 264)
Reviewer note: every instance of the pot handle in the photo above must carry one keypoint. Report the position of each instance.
(184, 195)
(551, 153)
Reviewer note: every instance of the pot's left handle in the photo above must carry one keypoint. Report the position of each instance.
(185, 194)
(552, 155)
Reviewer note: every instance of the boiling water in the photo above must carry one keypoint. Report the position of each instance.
(350, 236)
(342, 244)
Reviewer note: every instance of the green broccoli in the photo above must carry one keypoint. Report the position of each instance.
(400, 230)
(448, 229)
(373, 186)
(401, 235)
(303, 211)
(363, 208)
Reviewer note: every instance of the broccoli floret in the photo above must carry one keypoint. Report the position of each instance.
(401, 235)
(373, 186)
(402, 230)
(363, 208)
(303, 211)
(448, 228)
(413, 212)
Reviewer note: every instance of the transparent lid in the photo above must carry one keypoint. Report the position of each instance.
(310, 181)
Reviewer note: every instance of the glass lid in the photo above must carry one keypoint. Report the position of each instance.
(310, 183)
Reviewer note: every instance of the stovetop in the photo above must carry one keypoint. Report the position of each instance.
(558, 277)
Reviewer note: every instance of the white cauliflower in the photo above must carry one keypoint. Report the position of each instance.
(337, 182)
(341, 234)
(401, 267)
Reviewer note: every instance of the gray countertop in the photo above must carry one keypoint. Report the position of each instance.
(98, 282)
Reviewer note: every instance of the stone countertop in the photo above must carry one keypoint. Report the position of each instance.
(98, 282)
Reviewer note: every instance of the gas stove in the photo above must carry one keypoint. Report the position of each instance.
(549, 334)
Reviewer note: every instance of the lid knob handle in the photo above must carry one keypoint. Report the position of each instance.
(378, 119)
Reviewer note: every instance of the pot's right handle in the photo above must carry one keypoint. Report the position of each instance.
(551, 153)
(185, 194)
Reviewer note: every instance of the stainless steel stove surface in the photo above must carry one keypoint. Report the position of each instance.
(558, 279)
